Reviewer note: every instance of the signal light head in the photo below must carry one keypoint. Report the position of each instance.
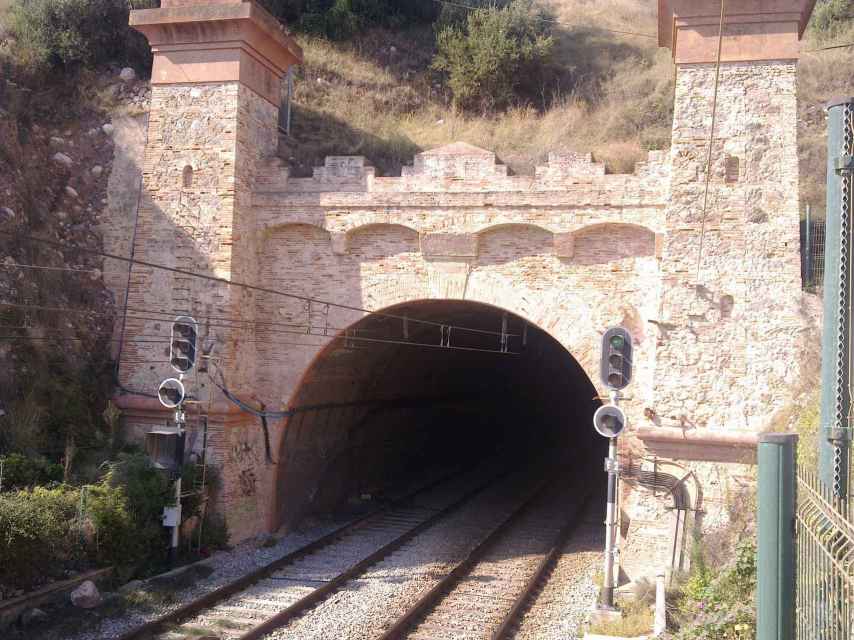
(615, 369)
(609, 421)
(171, 393)
(182, 349)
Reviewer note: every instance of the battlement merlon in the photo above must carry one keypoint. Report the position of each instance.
(204, 41)
(754, 30)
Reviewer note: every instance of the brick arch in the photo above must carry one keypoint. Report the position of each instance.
(608, 242)
(370, 220)
(524, 249)
(378, 240)
(311, 445)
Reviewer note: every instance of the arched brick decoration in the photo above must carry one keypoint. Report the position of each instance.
(512, 243)
(378, 241)
(605, 243)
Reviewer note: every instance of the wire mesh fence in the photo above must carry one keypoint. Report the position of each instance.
(812, 254)
(825, 563)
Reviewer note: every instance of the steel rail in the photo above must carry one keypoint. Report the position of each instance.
(540, 576)
(211, 599)
(432, 598)
(286, 615)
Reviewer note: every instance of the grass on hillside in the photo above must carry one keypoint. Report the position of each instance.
(378, 97)
(822, 75)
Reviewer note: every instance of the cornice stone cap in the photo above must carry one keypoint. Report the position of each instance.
(197, 41)
(753, 29)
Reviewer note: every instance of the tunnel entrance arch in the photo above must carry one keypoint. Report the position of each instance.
(372, 415)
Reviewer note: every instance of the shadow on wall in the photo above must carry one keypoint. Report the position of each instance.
(317, 134)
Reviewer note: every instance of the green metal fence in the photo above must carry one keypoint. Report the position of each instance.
(825, 563)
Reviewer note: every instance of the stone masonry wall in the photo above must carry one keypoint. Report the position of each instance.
(730, 339)
(569, 249)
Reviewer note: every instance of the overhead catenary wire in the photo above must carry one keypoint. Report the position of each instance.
(230, 323)
(244, 285)
(847, 45)
(346, 336)
(711, 141)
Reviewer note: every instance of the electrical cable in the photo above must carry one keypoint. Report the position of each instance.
(828, 48)
(711, 141)
(169, 316)
(347, 337)
(234, 283)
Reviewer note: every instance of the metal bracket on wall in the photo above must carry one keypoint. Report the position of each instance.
(844, 164)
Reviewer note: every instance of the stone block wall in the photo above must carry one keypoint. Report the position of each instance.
(719, 333)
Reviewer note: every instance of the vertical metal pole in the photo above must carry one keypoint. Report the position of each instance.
(776, 548)
(836, 337)
(609, 583)
(660, 619)
(290, 98)
(179, 463)
(808, 275)
(610, 529)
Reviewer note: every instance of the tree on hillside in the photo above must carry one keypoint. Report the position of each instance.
(341, 19)
(497, 56)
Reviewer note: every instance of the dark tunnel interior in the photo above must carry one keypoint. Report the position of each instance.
(373, 416)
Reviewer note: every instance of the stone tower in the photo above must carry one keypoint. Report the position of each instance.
(731, 331)
(216, 89)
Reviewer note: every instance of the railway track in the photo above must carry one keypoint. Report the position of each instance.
(269, 597)
(488, 592)
(505, 530)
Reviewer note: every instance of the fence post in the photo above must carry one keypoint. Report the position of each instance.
(836, 352)
(776, 539)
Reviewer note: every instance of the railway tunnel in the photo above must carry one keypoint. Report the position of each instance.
(396, 401)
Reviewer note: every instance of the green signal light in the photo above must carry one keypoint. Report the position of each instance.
(618, 341)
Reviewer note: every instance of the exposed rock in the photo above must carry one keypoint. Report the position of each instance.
(133, 585)
(64, 160)
(127, 74)
(108, 129)
(56, 141)
(72, 191)
(6, 213)
(97, 170)
(33, 617)
(86, 596)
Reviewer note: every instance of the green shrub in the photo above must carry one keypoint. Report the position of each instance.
(74, 33)
(341, 19)
(36, 540)
(20, 472)
(500, 56)
(145, 490)
(720, 606)
(831, 18)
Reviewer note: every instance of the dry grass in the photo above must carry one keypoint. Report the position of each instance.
(821, 76)
(614, 98)
(637, 621)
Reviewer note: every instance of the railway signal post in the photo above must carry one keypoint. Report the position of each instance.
(172, 394)
(609, 421)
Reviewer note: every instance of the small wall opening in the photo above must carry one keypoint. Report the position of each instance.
(395, 411)
(187, 177)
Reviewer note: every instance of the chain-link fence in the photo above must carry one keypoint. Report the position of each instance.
(812, 254)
